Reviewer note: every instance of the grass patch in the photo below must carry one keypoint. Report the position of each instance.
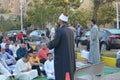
(111, 54)
(39, 78)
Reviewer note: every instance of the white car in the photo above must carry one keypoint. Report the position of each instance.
(35, 35)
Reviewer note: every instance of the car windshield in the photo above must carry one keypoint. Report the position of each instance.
(14, 31)
(114, 31)
(87, 33)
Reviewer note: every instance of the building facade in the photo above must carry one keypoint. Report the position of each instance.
(13, 6)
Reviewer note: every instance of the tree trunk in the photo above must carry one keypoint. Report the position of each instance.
(95, 13)
(96, 7)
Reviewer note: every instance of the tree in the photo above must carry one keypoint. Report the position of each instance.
(97, 5)
(49, 10)
(42, 13)
(81, 17)
(6, 25)
(106, 14)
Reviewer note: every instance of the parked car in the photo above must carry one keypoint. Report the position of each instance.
(35, 35)
(84, 36)
(109, 38)
(11, 32)
(0, 33)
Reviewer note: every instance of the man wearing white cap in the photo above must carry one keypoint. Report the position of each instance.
(63, 45)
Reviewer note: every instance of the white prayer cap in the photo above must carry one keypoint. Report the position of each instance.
(63, 17)
(15, 33)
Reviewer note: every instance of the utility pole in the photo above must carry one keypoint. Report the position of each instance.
(21, 14)
(117, 14)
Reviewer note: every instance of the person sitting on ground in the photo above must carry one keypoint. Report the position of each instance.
(10, 60)
(13, 37)
(3, 62)
(35, 62)
(9, 68)
(3, 43)
(44, 39)
(11, 45)
(8, 50)
(21, 51)
(15, 47)
(28, 47)
(42, 53)
(49, 67)
(23, 69)
(20, 36)
(84, 51)
(5, 74)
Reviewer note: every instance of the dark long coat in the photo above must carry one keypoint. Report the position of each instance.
(63, 44)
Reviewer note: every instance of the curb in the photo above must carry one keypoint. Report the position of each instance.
(108, 60)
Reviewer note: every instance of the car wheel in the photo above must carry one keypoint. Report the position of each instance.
(103, 46)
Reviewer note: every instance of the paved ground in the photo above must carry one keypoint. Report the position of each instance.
(114, 76)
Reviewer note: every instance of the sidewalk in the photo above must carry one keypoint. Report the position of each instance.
(109, 73)
(114, 76)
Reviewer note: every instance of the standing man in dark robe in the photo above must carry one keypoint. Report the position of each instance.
(63, 43)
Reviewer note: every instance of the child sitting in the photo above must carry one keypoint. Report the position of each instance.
(35, 62)
(49, 67)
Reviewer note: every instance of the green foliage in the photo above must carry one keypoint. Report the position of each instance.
(42, 13)
(49, 11)
(98, 4)
(30, 4)
(81, 17)
(109, 53)
(2, 11)
(106, 14)
(6, 25)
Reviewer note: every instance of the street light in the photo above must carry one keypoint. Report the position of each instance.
(117, 14)
(21, 14)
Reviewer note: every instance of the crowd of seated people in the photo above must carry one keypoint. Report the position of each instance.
(20, 61)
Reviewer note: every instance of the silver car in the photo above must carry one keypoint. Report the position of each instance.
(35, 35)
(11, 32)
